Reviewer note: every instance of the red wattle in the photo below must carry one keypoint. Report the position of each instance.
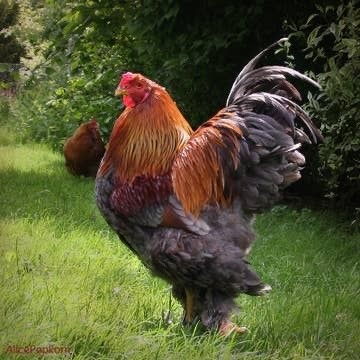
(128, 101)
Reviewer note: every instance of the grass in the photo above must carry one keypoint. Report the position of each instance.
(66, 280)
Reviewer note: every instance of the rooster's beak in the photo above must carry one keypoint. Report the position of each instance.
(120, 92)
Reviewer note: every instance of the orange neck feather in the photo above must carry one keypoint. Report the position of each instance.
(146, 139)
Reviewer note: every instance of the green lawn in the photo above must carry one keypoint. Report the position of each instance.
(67, 281)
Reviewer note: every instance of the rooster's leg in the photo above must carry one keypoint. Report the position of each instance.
(216, 309)
(189, 306)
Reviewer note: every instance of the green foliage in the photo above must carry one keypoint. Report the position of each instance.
(54, 112)
(333, 45)
(10, 49)
(4, 109)
(77, 82)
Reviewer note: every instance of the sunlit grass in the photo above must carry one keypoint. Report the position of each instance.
(66, 280)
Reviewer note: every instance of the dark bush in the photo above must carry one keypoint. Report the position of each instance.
(331, 40)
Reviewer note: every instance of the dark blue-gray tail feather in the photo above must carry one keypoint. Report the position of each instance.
(267, 91)
(249, 79)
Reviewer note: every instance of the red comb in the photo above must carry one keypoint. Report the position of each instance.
(126, 78)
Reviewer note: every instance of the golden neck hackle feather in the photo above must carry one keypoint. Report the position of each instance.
(146, 139)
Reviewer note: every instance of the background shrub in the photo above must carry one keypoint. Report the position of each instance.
(331, 44)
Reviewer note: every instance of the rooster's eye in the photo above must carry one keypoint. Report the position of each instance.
(138, 85)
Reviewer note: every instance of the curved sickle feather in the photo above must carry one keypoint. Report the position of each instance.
(251, 64)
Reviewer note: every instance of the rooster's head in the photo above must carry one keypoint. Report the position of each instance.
(134, 88)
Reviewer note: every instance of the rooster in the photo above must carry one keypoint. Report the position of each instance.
(84, 150)
(184, 201)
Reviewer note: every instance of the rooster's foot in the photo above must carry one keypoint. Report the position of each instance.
(227, 328)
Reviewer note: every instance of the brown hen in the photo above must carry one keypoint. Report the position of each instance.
(84, 150)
